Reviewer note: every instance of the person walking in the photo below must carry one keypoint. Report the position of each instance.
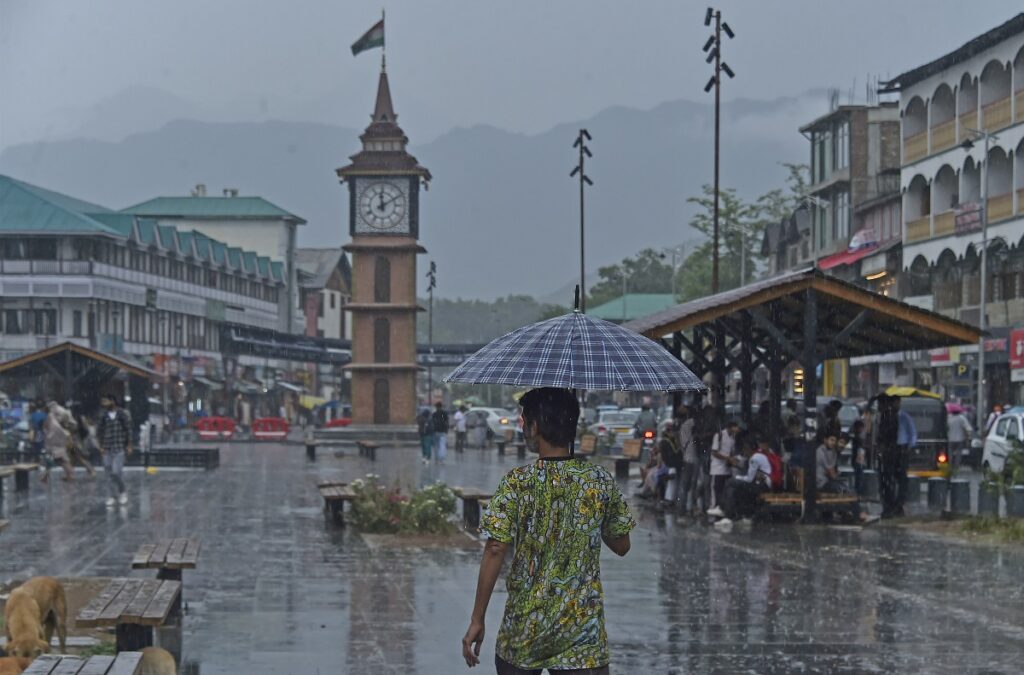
(114, 432)
(690, 469)
(554, 514)
(425, 426)
(57, 430)
(460, 428)
(646, 421)
(886, 425)
(723, 449)
(440, 423)
(78, 451)
(959, 436)
(858, 457)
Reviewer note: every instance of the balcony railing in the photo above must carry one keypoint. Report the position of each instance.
(45, 267)
(919, 229)
(996, 114)
(943, 136)
(915, 147)
(1000, 207)
(945, 223)
(968, 120)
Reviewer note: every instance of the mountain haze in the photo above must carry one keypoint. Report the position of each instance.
(501, 216)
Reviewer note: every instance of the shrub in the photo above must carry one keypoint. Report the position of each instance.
(380, 510)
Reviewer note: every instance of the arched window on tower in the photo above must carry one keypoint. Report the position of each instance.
(381, 401)
(382, 279)
(381, 340)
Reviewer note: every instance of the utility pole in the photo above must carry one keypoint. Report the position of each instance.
(983, 271)
(714, 48)
(581, 140)
(431, 285)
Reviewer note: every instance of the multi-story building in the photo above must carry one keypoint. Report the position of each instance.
(944, 104)
(252, 223)
(126, 284)
(325, 282)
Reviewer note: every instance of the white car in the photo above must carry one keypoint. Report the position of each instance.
(498, 421)
(1006, 434)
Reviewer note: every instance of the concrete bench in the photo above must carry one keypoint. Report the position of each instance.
(368, 449)
(133, 607)
(335, 495)
(472, 498)
(125, 663)
(632, 448)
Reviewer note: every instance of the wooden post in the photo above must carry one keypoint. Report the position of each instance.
(746, 373)
(810, 365)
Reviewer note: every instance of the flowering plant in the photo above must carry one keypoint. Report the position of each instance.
(381, 510)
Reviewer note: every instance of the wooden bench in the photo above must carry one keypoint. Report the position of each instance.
(5, 472)
(472, 498)
(587, 445)
(335, 495)
(368, 449)
(631, 451)
(21, 472)
(793, 502)
(125, 663)
(133, 607)
(168, 558)
(505, 439)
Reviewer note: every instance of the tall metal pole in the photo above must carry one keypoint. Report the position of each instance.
(718, 104)
(981, 313)
(584, 152)
(431, 285)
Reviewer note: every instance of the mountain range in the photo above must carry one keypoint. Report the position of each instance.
(501, 215)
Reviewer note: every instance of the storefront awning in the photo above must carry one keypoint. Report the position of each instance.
(844, 258)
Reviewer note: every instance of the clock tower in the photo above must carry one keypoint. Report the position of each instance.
(384, 188)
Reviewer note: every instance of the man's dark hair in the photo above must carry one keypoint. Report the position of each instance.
(556, 413)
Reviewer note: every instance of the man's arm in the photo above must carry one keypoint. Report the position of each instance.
(490, 566)
(619, 545)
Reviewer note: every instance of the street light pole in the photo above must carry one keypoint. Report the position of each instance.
(986, 137)
(432, 276)
(714, 44)
(584, 151)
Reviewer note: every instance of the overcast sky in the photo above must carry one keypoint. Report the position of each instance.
(522, 66)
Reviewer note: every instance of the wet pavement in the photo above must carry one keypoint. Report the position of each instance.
(277, 591)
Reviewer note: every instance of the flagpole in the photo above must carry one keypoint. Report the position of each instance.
(384, 42)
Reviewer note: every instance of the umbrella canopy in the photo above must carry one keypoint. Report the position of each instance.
(903, 392)
(577, 351)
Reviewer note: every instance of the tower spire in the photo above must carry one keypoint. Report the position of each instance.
(383, 109)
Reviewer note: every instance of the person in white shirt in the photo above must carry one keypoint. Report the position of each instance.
(723, 451)
(741, 492)
(959, 436)
(460, 428)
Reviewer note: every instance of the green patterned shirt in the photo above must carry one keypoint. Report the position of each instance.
(554, 513)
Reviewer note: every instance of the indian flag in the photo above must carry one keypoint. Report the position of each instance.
(371, 38)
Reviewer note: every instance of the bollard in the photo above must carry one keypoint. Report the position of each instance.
(311, 451)
(913, 489)
(988, 499)
(871, 485)
(937, 490)
(960, 497)
(1015, 502)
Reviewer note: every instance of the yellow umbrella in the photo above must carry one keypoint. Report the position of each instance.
(910, 391)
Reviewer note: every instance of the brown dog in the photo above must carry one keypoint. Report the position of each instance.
(13, 665)
(156, 661)
(30, 625)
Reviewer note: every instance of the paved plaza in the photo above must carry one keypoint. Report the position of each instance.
(278, 592)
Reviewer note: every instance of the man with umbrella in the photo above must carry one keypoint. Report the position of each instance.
(554, 513)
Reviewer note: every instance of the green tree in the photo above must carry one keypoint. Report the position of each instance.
(645, 272)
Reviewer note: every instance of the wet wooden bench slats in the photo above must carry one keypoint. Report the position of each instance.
(137, 607)
(163, 600)
(175, 553)
(89, 614)
(113, 611)
(125, 663)
(135, 601)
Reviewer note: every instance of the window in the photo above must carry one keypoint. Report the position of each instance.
(45, 321)
(13, 324)
(382, 279)
(1001, 426)
(381, 340)
(842, 212)
(76, 323)
(842, 146)
(334, 299)
(1011, 429)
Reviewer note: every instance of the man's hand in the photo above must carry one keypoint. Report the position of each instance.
(471, 643)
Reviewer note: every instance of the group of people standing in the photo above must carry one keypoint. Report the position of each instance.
(433, 427)
(59, 436)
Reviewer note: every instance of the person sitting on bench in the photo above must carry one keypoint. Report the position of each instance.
(741, 492)
(826, 462)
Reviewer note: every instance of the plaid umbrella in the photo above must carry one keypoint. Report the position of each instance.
(576, 351)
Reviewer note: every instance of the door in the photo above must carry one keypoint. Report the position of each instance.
(381, 402)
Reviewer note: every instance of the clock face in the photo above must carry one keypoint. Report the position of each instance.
(383, 206)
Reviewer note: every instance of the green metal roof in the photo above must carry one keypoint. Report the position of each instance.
(636, 305)
(211, 207)
(277, 268)
(26, 208)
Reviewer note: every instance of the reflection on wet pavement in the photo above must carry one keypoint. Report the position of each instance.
(276, 591)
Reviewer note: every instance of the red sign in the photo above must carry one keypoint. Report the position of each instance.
(967, 218)
(1017, 349)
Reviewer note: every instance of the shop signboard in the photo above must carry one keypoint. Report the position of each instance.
(1017, 355)
(967, 218)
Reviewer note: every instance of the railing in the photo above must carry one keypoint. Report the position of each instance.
(996, 114)
(45, 267)
(919, 229)
(915, 147)
(1000, 207)
(1019, 96)
(943, 136)
(968, 120)
(885, 184)
(945, 223)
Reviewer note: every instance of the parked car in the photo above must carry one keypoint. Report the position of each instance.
(617, 424)
(1005, 435)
